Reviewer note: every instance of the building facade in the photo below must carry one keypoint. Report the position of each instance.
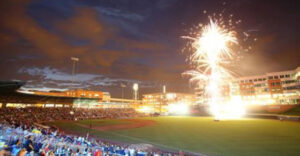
(271, 88)
(274, 88)
(160, 102)
(92, 99)
(80, 93)
(85, 93)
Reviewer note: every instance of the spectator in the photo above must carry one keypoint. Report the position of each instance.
(16, 148)
(42, 140)
(29, 144)
(22, 152)
(98, 152)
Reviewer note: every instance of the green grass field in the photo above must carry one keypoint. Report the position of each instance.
(103, 122)
(294, 111)
(203, 135)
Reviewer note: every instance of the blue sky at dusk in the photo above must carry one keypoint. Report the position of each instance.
(128, 41)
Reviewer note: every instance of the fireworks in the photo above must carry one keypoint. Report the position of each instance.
(212, 52)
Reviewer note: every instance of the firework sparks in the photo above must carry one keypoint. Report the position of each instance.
(212, 50)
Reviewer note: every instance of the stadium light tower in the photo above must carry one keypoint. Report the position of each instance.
(74, 60)
(163, 99)
(122, 87)
(135, 88)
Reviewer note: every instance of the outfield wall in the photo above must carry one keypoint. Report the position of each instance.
(270, 108)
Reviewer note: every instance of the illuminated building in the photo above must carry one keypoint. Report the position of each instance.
(274, 88)
(12, 95)
(85, 98)
(160, 102)
(50, 93)
(73, 93)
(85, 93)
(106, 97)
(201, 96)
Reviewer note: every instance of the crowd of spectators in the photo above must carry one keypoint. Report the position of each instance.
(110, 113)
(38, 115)
(20, 140)
(21, 134)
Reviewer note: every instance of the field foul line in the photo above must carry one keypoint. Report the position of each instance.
(160, 145)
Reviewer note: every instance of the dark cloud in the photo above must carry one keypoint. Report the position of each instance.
(54, 78)
(85, 25)
(133, 41)
(34, 47)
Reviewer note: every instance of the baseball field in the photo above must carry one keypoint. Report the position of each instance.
(198, 134)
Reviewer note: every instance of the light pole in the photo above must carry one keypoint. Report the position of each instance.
(123, 86)
(135, 88)
(163, 99)
(74, 60)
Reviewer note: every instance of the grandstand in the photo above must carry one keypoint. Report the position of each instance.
(70, 130)
(24, 131)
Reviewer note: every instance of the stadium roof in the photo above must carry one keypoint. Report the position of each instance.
(10, 86)
(9, 93)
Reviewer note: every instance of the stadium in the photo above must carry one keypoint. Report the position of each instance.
(125, 131)
(149, 78)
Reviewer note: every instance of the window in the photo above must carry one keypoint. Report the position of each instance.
(293, 87)
(270, 77)
(250, 80)
(290, 81)
(264, 79)
(276, 77)
(259, 79)
(281, 76)
(278, 83)
(255, 80)
(287, 76)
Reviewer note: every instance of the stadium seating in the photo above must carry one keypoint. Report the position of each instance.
(21, 133)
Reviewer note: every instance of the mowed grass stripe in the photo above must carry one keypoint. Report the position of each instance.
(203, 135)
(103, 122)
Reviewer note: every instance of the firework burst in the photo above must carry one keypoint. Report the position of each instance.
(212, 53)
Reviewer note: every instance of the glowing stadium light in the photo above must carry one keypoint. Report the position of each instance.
(74, 59)
(233, 109)
(135, 87)
(145, 109)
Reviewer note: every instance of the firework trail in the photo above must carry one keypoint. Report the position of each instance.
(212, 49)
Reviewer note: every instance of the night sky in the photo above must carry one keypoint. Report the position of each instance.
(128, 41)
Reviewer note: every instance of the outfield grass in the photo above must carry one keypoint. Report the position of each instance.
(294, 111)
(103, 122)
(203, 135)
